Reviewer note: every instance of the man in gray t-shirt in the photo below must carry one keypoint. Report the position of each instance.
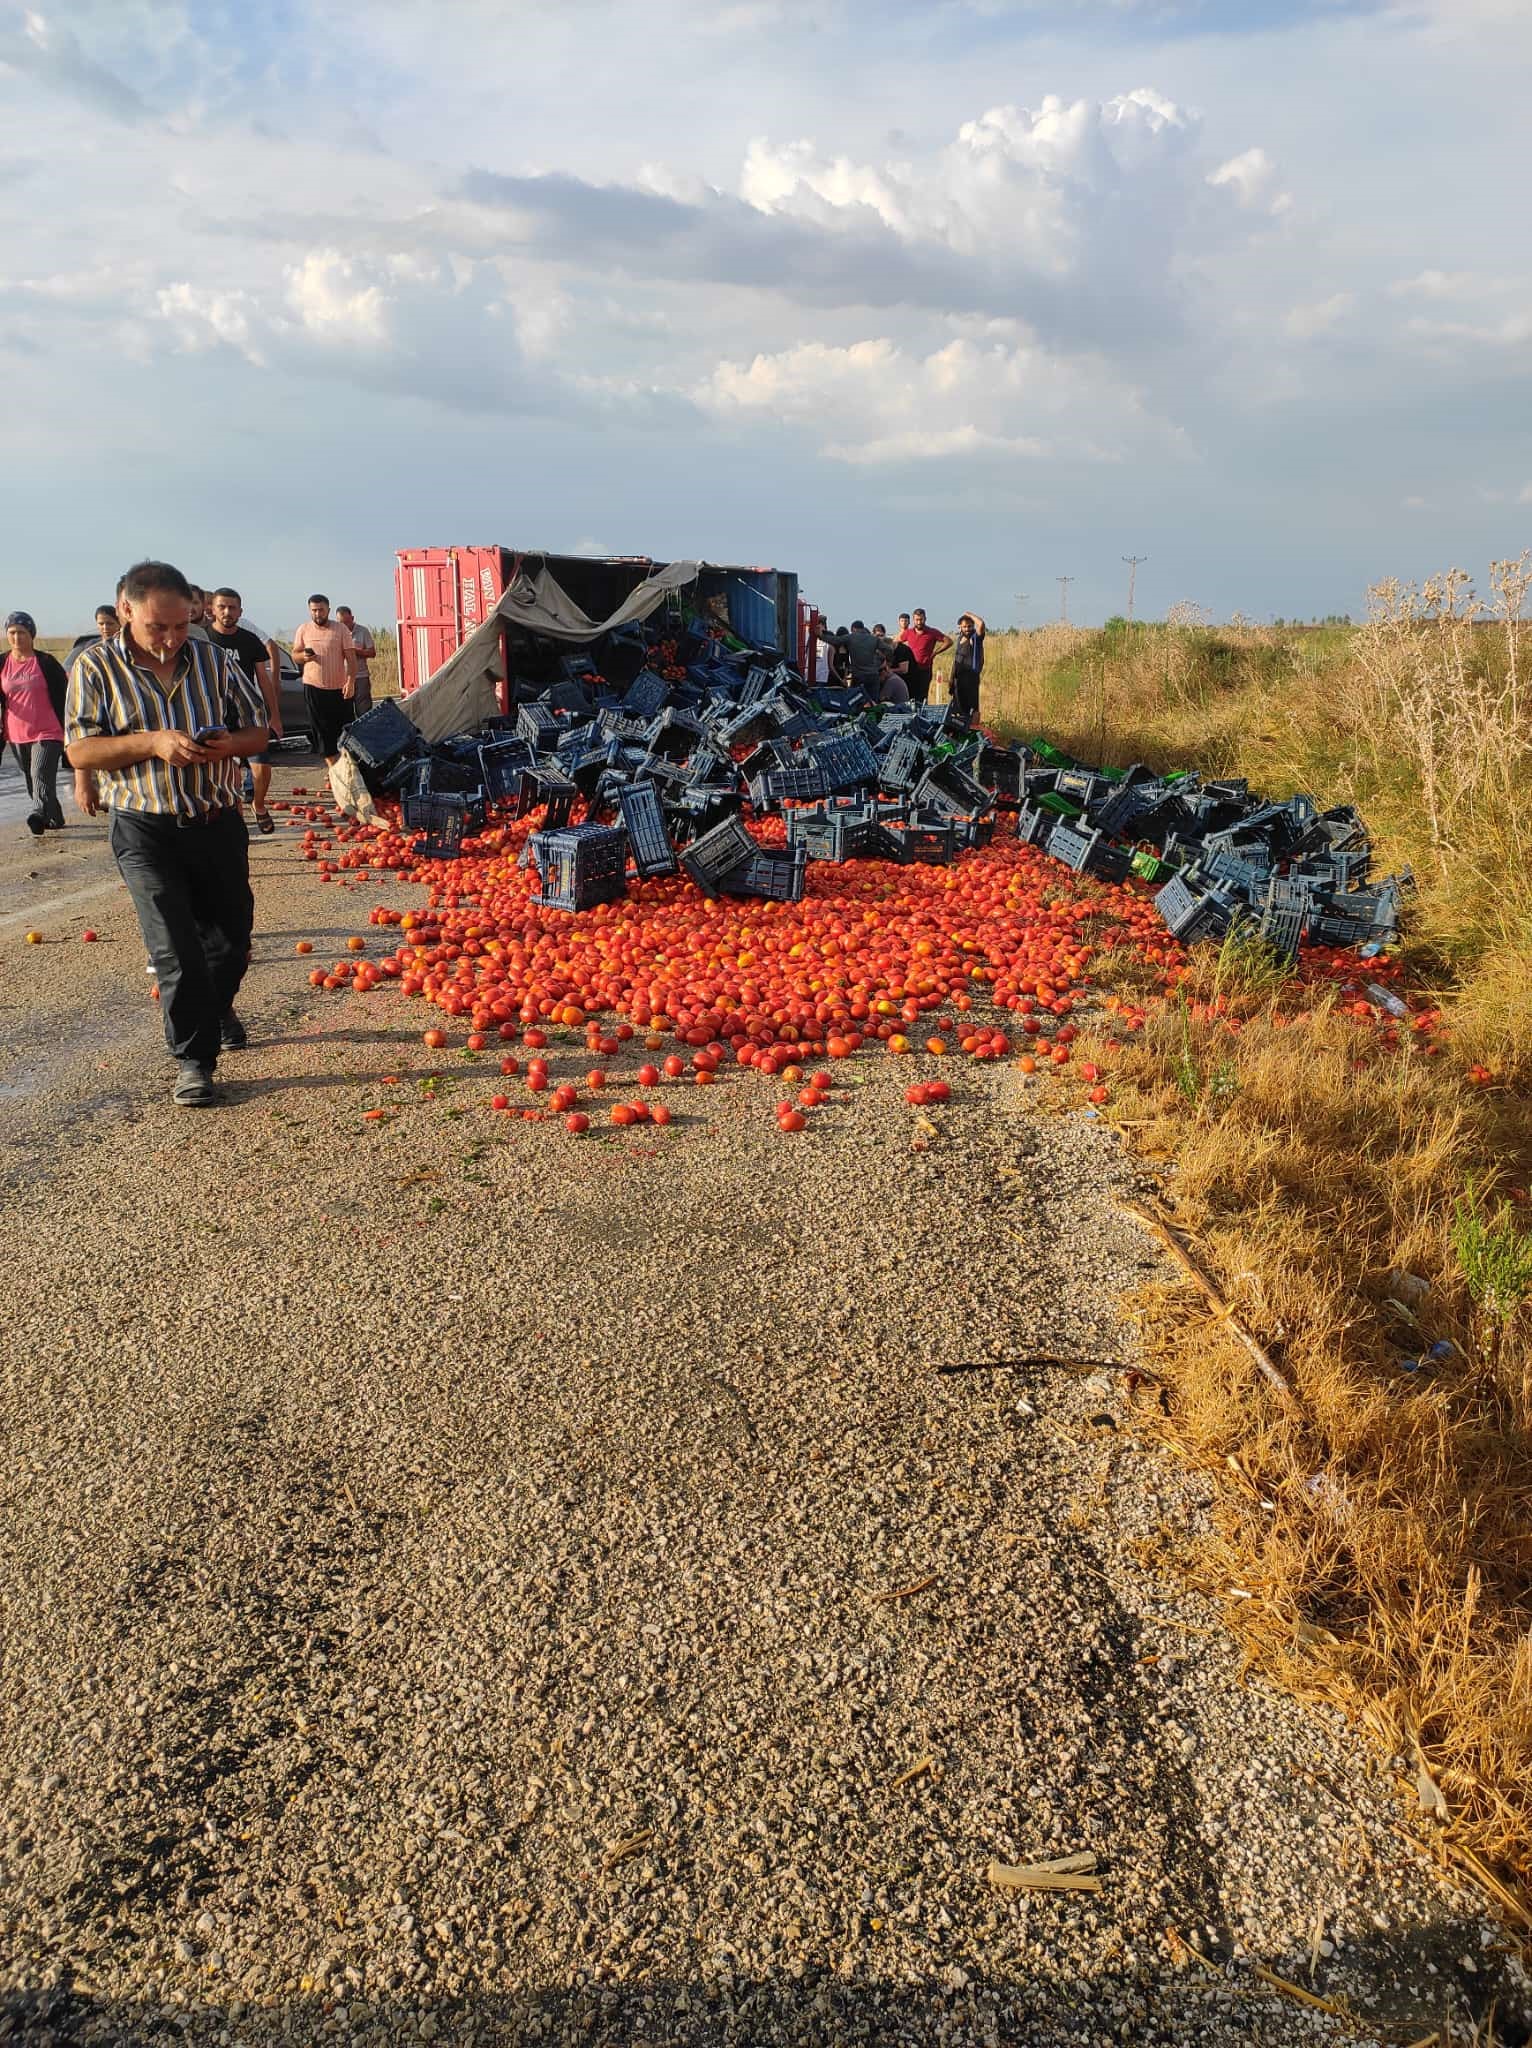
(366, 651)
(862, 648)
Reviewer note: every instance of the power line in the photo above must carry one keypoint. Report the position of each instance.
(1132, 562)
(1064, 583)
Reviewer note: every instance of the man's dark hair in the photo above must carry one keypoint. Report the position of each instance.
(904, 615)
(224, 591)
(880, 630)
(318, 597)
(345, 608)
(110, 610)
(858, 625)
(145, 577)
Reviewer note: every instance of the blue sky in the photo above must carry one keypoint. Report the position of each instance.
(932, 303)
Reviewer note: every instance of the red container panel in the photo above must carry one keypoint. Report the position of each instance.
(441, 596)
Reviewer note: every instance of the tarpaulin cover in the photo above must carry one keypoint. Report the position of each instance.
(463, 690)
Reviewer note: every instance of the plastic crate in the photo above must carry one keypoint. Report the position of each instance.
(803, 783)
(643, 819)
(1000, 770)
(778, 877)
(381, 736)
(443, 822)
(544, 787)
(1033, 824)
(581, 865)
(1050, 756)
(903, 764)
(716, 853)
(500, 765)
(947, 788)
(538, 726)
(1071, 847)
(1057, 806)
(1282, 926)
(847, 763)
(1150, 868)
(645, 695)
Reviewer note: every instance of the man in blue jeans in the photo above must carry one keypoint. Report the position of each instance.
(165, 723)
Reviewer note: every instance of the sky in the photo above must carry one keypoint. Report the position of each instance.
(931, 303)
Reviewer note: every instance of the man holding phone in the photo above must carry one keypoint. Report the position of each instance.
(164, 724)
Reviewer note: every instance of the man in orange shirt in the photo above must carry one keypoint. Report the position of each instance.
(326, 657)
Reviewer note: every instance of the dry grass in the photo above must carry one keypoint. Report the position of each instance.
(1381, 1519)
(1380, 1522)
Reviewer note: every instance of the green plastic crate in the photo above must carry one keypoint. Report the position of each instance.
(1060, 806)
(1150, 868)
(1050, 756)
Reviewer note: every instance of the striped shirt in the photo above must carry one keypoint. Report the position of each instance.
(112, 694)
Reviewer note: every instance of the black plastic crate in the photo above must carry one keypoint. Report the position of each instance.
(500, 765)
(847, 763)
(903, 764)
(538, 726)
(803, 783)
(643, 819)
(776, 875)
(1000, 770)
(1282, 926)
(1034, 825)
(947, 788)
(381, 736)
(545, 787)
(1071, 847)
(581, 865)
(443, 821)
(715, 853)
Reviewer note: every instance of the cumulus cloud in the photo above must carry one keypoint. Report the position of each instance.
(1255, 182)
(875, 403)
(1086, 218)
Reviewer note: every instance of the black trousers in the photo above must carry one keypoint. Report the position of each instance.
(39, 763)
(920, 682)
(190, 885)
(331, 714)
(965, 693)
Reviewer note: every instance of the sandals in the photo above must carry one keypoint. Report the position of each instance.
(265, 822)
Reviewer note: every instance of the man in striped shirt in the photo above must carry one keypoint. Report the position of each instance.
(165, 723)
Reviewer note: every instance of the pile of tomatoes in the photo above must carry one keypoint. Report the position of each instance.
(907, 959)
(903, 960)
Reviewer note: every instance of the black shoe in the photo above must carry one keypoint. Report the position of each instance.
(232, 1035)
(194, 1086)
(36, 824)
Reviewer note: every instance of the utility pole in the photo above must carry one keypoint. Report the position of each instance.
(1021, 598)
(1132, 562)
(1064, 583)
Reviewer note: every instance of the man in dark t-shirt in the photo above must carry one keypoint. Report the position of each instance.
(254, 657)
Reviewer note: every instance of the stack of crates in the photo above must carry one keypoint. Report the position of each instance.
(444, 822)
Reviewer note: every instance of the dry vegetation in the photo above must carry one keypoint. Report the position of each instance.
(1376, 1543)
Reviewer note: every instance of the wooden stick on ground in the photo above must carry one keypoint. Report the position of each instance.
(1172, 1242)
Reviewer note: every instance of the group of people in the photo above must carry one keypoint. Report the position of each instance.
(897, 668)
(165, 715)
(332, 655)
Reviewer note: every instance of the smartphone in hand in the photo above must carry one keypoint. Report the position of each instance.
(204, 733)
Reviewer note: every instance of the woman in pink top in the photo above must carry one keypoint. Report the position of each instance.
(32, 686)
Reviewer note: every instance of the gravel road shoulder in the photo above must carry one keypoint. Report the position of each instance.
(461, 1584)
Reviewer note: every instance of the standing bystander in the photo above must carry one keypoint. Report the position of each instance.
(32, 686)
(366, 652)
(162, 720)
(254, 656)
(925, 643)
(968, 666)
(323, 650)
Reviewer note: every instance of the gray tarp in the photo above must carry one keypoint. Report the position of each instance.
(463, 689)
